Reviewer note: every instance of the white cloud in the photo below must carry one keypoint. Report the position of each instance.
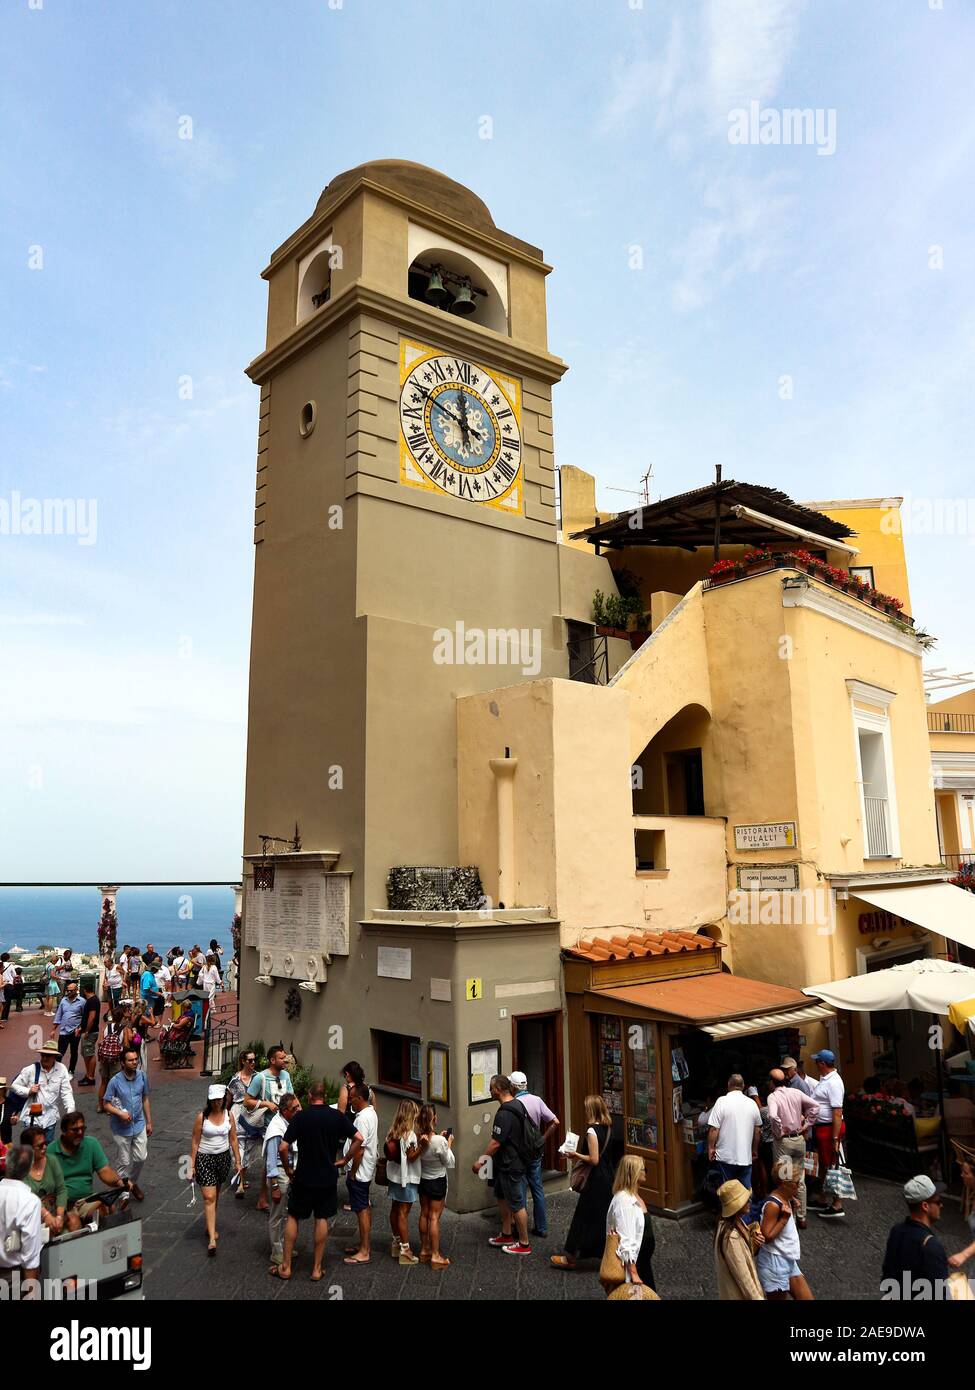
(745, 233)
(181, 143)
(747, 44)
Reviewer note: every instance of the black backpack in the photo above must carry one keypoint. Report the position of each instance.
(531, 1145)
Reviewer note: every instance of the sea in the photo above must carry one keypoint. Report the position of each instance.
(59, 917)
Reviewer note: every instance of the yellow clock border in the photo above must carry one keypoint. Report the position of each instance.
(510, 389)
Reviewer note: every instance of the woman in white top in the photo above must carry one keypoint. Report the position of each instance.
(402, 1151)
(113, 983)
(777, 1260)
(627, 1216)
(214, 1140)
(210, 978)
(436, 1156)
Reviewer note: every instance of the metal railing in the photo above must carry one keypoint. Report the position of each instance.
(878, 827)
(964, 859)
(950, 723)
(589, 660)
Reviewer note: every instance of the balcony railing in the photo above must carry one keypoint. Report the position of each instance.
(589, 660)
(950, 723)
(878, 827)
(964, 859)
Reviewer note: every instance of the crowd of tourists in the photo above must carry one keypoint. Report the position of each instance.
(771, 1159)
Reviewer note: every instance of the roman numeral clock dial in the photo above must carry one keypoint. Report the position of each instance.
(461, 429)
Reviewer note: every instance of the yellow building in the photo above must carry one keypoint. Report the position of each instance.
(678, 815)
(951, 729)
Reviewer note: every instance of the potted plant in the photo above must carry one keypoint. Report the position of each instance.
(641, 632)
(801, 560)
(724, 570)
(611, 613)
(758, 559)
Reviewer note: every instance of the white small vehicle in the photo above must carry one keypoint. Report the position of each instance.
(107, 1258)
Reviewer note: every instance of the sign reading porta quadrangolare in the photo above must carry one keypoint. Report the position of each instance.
(777, 834)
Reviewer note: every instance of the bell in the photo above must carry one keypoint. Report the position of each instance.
(464, 302)
(437, 293)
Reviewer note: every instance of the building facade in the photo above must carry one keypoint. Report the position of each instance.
(673, 829)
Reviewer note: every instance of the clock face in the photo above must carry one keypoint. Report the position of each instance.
(461, 429)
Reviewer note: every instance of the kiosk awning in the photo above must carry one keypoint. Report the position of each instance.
(721, 1005)
(764, 1023)
(941, 908)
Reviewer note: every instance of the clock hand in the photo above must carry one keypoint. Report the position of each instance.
(465, 428)
(449, 413)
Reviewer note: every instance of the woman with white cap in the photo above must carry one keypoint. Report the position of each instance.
(214, 1141)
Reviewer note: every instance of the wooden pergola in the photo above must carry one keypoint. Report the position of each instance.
(723, 513)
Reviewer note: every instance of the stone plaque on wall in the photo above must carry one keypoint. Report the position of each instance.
(302, 913)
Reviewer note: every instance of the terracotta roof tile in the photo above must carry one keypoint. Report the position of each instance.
(633, 945)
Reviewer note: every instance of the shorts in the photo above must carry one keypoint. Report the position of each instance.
(213, 1170)
(85, 1207)
(358, 1194)
(109, 1068)
(407, 1193)
(89, 1045)
(510, 1188)
(823, 1139)
(320, 1202)
(434, 1189)
(775, 1271)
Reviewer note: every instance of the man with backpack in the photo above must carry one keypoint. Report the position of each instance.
(515, 1145)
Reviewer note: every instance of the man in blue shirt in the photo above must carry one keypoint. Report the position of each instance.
(67, 1024)
(130, 1118)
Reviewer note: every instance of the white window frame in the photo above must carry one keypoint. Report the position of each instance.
(876, 721)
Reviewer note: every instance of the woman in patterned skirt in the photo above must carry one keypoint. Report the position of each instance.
(213, 1147)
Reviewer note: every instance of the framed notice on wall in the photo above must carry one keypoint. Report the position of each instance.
(483, 1062)
(438, 1073)
(779, 834)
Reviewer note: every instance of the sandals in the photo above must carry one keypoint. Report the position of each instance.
(354, 1260)
(275, 1273)
(439, 1262)
(563, 1262)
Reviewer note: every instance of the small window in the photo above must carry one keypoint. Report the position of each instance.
(864, 572)
(306, 421)
(651, 851)
(398, 1061)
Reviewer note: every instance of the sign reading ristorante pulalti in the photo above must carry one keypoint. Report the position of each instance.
(779, 834)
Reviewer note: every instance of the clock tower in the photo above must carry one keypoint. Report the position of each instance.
(405, 508)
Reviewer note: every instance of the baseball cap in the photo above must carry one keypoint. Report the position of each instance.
(825, 1056)
(920, 1189)
(518, 1079)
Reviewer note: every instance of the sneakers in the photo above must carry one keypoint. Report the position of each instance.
(831, 1214)
(517, 1249)
(502, 1242)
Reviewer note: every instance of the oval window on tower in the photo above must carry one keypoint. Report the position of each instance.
(306, 421)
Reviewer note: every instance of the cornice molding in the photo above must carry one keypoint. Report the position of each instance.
(507, 354)
(870, 694)
(303, 237)
(832, 606)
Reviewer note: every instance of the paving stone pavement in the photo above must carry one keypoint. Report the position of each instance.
(841, 1260)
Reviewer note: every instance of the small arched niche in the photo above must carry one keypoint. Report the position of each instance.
(315, 279)
(460, 275)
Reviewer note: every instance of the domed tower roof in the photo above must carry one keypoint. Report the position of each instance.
(420, 184)
(428, 188)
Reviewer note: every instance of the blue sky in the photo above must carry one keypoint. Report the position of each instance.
(124, 662)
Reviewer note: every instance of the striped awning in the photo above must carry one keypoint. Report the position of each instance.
(766, 1023)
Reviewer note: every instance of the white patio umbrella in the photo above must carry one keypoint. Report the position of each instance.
(926, 986)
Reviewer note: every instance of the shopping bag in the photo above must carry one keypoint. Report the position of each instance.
(811, 1164)
(839, 1181)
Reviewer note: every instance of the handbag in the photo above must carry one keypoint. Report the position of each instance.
(611, 1271)
(638, 1293)
(581, 1171)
